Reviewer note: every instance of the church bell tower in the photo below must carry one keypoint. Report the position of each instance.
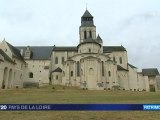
(87, 29)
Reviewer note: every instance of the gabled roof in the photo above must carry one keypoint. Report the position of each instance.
(120, 68)
(87, 14)
(38, 52)
(132, 66)
(150, 71)
(15, 52)
(113, 48)
(57, 70)
(65, 48)
(5, 56)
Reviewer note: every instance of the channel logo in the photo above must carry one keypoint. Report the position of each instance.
(151, 107)
(3, 107)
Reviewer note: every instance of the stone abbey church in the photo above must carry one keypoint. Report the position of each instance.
(88, 65)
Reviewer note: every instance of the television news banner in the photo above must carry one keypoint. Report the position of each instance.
(79, 107)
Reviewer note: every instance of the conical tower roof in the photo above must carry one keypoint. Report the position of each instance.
(87, 19)
(99, 39)
(87, 14)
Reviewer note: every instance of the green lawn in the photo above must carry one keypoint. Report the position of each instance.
(75, 95)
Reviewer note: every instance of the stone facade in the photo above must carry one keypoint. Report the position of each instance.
(89, 65)
(12, 67)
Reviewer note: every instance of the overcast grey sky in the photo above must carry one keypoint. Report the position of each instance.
(133, 23)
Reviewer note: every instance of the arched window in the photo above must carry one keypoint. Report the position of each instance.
(109, 73)
(89, 49)
(30, 75)
(114, 59)
(85, 35)
(56, 60)
(62, 59)
(78, 67)
(120, 60)
(71, 73)
(90, 34)
(102, 68)
(56, 77)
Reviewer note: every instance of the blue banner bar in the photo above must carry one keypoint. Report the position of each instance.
(70, 107)
(79, 107)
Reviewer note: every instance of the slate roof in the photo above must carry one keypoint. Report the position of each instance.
(44, 52)
(5, 56)
(120, 68)
(65, 48)
(15, 52)
(99, 39)
(113, 48)
(84, 20)
(132, 66)
(105, 48)
(89, 40)
(150, 71)
(39, 52)
(87, 14)
(57, 70)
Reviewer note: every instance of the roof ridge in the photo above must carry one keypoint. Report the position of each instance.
(15, 51)
(131, 65)
(12, 46)
(148, 68)
(113, 46)
(33, 46)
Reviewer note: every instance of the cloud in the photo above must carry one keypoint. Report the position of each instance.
(140, 35)
(140, 18)
(132, 23)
